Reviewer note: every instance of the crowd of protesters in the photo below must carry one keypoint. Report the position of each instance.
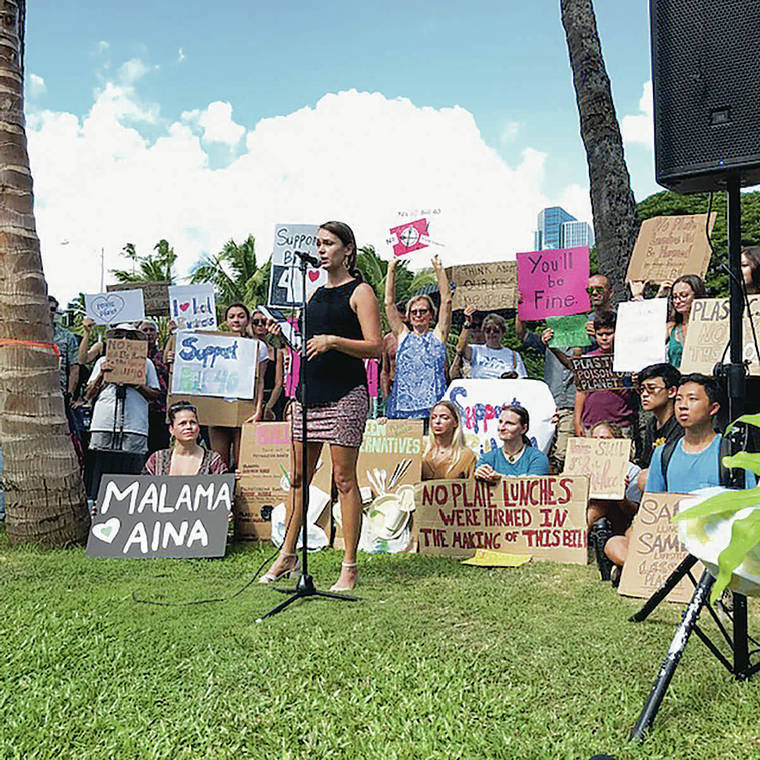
(671, 419)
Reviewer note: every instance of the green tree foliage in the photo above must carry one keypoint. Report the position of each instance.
(154, 267)
(667, 203)
(235, 275)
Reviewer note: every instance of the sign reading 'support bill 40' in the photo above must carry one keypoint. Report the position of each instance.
(207, 364)
(541, 516)
(147, 516)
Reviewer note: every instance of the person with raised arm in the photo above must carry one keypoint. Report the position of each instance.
(420, 377)
(492, 360)
(342, 329)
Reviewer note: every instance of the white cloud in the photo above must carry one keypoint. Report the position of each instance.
(355, 156)
(575, 199)
(180, 55)
(509, 133)
(132, 70)
(638, 129)
(35, 86)
(217, 124)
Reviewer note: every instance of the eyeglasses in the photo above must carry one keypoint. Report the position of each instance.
(492, 329)
(595, 289)
(651, 389)
(258, 321)
(418, 312)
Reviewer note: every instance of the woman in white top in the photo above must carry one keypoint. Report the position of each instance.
(491, 360)
(119, 427)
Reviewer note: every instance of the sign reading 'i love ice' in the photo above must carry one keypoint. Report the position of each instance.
(193, 307)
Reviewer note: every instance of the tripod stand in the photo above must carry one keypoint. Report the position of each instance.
(735, 376)
(305, 588)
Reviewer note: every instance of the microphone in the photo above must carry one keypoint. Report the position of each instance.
(308, 258)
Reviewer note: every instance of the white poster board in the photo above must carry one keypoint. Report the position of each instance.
(480, 403)
(193, 307)
(285, 288)
(214, 365)
(640, 334)
(112, 308)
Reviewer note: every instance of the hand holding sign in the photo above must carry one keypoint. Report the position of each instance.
(553, 282)
(110, 308)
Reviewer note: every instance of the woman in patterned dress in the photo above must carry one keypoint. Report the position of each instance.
(420, 378)
(342, 329)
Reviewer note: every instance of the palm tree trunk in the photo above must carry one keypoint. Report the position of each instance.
(615, 221)
(44, 495)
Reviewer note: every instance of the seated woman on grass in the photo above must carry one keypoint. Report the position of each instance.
(447, 457)
(609, 521)
(185, 457)
(516, 456)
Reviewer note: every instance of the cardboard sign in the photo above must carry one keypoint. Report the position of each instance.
(155, 295)
(112, 308)
(655, 550)
(553, 282)
(595, 373)
(486, 286)
(410, 237)
(147, 516)
(193, 307)
(640, 334)
(569, 332)
(265, 478)
(669, 246)
(285, 282)
(480, 403)
(708, 333)
(128, 360)
(604, 460)
(213, 364)
(541, 516)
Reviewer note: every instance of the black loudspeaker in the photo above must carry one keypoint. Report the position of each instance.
(706, 77)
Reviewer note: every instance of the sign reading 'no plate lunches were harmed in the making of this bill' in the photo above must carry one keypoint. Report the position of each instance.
(163, 516)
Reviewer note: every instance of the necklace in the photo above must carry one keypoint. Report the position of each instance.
(512, 458)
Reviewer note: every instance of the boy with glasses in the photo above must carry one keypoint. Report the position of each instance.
(658, 385)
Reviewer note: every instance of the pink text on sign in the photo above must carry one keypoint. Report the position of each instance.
(553, 282)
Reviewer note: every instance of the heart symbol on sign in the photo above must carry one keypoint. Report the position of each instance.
(184, 306)
(107, 531)
(313, 276)
(108, 307)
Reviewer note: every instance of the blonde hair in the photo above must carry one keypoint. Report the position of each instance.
(494, 319)
(457, 442)
(421, 297)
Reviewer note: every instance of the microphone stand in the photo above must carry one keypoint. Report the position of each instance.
(305, 587)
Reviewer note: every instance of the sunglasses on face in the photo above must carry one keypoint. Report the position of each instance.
(418, 311)
(258, 321)
(595, 289)
(492, 329)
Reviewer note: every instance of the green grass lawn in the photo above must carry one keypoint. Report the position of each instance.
(438, 660)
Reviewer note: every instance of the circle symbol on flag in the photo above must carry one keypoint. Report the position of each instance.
(409, 237)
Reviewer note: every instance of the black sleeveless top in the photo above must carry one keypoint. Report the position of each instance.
(331, 375)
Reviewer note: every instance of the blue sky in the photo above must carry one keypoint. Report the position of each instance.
(473, 104)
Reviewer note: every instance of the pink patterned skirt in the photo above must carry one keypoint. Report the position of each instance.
(340, 422)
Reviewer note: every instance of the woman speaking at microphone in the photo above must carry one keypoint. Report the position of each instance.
(343, 329)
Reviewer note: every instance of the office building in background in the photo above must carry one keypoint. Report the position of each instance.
(558, 229)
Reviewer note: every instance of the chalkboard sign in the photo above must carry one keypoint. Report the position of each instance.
(144, 516)
(595, 373)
